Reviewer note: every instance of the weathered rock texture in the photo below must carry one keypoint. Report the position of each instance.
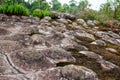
(46, 49)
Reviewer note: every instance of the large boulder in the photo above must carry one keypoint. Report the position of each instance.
(36, 59)
(70, 72)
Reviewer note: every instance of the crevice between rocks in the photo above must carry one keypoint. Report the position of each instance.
(23, 73)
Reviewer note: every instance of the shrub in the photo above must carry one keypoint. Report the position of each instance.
(42, 13)
(88, 15)
(118, 17)
(15, 9)
(93, 15)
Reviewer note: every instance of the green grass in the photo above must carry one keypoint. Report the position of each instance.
(15, 9)
(42, 13)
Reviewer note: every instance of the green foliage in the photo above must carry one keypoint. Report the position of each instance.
(83, 4)
(110, 9)
(64, 8)
(72, 3)
(89, 15)
(56, 5)
(40, 4)
(15, 9)
(118, 17)
(2, 1)
(42, 13)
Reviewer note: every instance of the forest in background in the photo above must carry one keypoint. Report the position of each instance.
(41, 8)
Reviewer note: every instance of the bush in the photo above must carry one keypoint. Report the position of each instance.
(42, 13)
(118, 17)
(88, 15)
(93, 15)
(15, 9)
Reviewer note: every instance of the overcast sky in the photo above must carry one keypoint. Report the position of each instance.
(95, 4)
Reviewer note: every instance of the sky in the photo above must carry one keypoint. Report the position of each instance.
(95, 4)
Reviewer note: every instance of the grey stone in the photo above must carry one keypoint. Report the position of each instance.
(91, 55)
(96, 22)
(90, 23)
(47, 18)
(62, 20)
(106, 37)
(40, 59)
(70, 72)
(44, 21)
(106, 65)
(81, 22)
(99, 42)
(111, 50)
(69, 16)
(84, 34)
(114, 35)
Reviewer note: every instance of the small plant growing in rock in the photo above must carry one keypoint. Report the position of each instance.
(42, 13)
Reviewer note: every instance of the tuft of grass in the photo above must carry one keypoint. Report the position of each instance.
(42, 13)
(15, 9)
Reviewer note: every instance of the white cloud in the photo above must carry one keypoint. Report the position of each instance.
(95, 4)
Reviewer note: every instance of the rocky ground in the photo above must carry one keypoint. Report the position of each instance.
(57, 49)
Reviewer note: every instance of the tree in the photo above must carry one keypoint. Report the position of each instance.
(73, 7)
(111, 8)
(73, 10)
(38, 4)
(20, 1)
(72, 3)
(116, 7)
(64, 8)
(83, 4)
(106, 8)
(56, 5)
